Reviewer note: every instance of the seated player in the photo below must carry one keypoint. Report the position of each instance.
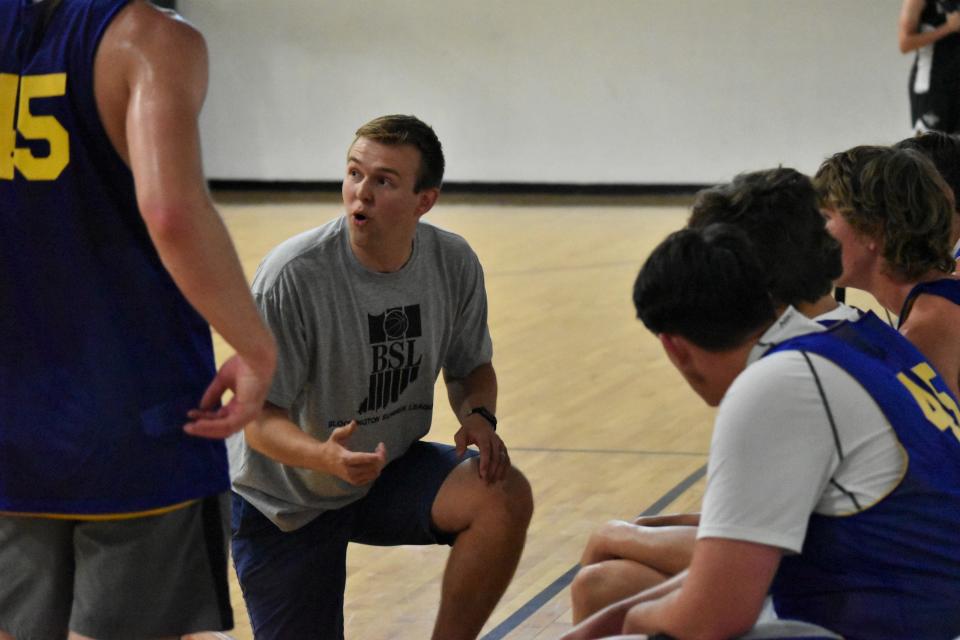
(834, 473)
(893, 213)
(943, 150)
(368, 310)
(778, 211)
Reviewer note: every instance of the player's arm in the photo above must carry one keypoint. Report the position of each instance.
(933, 327)
(609, 621)
(721, 596)
(910, 38)
(276, 436)
(478, 389)
(665, 549)
(151, 73)
(669, 520)
(766, 481)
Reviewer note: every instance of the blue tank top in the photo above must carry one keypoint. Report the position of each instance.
(100, 356)
(948, 288)
(892, 570)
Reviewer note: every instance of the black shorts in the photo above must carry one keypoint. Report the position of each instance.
(938, 107)
(293, 581)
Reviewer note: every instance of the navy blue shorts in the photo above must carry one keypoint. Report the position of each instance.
(293, 581)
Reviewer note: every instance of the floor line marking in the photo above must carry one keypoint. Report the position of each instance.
(533, 605)
(638, 452)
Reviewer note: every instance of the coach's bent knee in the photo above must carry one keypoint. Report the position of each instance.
(513, 496)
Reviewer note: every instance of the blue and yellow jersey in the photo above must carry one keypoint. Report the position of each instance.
(891, 570)
(948, 288)
(100, 356)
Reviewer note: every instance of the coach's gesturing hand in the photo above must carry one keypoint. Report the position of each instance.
(356, 467)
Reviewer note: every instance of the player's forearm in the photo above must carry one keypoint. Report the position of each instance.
(721, 593)
(277, 437)
(916, 40)
(196, 250)
(653, 595)
(669, 520)
(476, 389)
(678, 615)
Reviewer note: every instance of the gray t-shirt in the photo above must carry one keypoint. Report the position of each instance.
(356, 344)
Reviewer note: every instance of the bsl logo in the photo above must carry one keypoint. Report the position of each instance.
(395, 361)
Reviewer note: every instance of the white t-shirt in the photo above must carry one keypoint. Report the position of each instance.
(775, 458)
(841, 312)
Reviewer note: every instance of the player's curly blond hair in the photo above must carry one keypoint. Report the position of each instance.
(897, 197)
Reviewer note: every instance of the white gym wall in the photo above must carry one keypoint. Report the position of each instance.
(554, 91)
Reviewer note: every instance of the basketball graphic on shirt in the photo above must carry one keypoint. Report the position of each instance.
(395, 324)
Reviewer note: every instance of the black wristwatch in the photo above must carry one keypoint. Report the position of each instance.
(489, 417)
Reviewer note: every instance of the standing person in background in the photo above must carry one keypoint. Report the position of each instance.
(113, 261)
(930, 27)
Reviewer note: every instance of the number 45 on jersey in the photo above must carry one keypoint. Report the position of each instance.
(15, 115)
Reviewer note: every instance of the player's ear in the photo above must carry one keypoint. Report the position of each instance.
(426, 198)
(676, 348)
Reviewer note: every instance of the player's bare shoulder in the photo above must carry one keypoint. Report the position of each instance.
(933, 316)
(148, 28)
(146, 47)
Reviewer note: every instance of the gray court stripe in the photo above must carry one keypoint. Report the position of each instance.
(578, 267)
(542, 598)
(638, 452)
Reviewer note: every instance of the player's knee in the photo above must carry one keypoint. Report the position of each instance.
(587, 587)
(517, 497)
(510, 500)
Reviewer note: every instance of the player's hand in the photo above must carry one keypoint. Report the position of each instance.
(953, 21)
(597, 547)
(249, 383)
(669, 520)
(356, 467)
(494, 459)
(605, 623)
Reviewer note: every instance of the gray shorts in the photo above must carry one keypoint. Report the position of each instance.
(145, 577)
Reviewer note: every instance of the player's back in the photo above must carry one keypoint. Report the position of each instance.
(889, 569)
(101, 354)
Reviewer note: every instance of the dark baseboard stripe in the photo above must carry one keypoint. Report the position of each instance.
(545, 188)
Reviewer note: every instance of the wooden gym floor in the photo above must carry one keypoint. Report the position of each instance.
(591, 410)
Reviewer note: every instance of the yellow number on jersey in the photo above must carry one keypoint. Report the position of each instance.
(8, 137)
(938, 407)
(31, 127)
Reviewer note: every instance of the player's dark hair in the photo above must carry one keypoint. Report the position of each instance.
(779, 212)
(705, 284)
(399, 130)
(897, 197)
(943, 150)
